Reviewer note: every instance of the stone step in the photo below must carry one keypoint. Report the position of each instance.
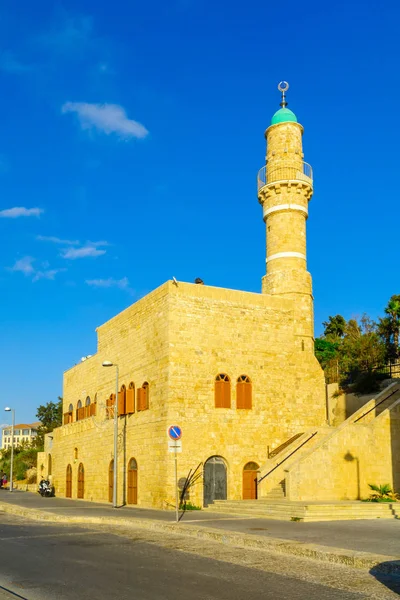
(307, 512)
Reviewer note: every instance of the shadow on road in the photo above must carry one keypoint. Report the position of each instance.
(388, 573)
(13, 594)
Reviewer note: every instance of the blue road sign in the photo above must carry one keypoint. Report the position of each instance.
(175, 432)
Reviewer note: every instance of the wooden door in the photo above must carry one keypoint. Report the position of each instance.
(68, 487)
(110, 481)
(81, 481)
(132, 482)
(250, 474)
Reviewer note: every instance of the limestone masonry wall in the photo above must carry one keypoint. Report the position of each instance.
(178, 338)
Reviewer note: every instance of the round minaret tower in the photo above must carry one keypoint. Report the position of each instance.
(284, 189)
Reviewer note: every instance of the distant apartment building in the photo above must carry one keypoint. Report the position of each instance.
(22, 433)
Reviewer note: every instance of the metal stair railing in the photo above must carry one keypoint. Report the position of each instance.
(286, 458)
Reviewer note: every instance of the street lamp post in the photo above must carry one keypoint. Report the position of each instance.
(8, 409)
(108, 363)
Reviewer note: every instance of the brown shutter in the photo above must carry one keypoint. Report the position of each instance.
(218, 392)
(248, 395)
(139, 399)
(145, 397)
(121, 402)
(226, 394)
(130, 401)
(241, 394)
(93, 409)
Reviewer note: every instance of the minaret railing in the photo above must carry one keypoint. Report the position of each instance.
(269, 174)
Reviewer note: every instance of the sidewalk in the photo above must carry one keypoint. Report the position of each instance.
(358, 543)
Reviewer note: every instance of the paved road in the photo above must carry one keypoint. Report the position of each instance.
(377, 536)
(43, 562)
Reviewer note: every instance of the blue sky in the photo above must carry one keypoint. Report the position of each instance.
(130, 139)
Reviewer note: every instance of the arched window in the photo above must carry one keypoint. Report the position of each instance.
(81, 481)
(130, 399)
(68, 416)
(222, 391)
(243, 392)
(93, 406)
(121, 401)
(68, 487)
(87, 406)
(80, 411)
(143, 397)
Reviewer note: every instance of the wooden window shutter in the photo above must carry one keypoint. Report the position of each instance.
(241, 394)
(130, 401)
(226, 394)
(219, 394)
(248, 395)
(145, 397)
(139, 399)
(121, 402)
(93, 409)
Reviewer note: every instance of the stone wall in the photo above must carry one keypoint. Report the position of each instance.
(178, 338)
(351, 457)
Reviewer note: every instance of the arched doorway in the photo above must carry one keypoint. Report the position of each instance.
(111, 481)
(81, 481)
(214, 480)
(132, 481)
(68, 487)
(250, 473)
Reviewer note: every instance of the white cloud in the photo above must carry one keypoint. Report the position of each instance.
(108, 118)
(10, 64)
(49, 274)
(20, 211)
(24, 265)
(56, 240)
(84, 252)
(123, 283)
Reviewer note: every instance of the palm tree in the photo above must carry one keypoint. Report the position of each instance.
(393, 312)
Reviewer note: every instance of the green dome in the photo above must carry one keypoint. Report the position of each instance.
(283, 115)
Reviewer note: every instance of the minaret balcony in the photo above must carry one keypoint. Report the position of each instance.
(271, 174)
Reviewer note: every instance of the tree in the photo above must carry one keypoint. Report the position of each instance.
(390, 327)
(325, 351)
(50, 417)
(335, 327)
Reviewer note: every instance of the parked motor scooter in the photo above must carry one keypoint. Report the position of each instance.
(45, 488)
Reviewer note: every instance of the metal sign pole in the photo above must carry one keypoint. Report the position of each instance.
(176, 487)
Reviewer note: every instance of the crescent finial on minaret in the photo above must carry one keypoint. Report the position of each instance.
(283, 87)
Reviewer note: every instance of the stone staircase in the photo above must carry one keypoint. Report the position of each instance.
(306, 511)
(272, 474)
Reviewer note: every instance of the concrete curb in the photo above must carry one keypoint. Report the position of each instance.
(351, 558)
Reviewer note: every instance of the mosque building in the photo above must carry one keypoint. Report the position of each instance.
(234, 370)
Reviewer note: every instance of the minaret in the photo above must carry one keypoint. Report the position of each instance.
(284, 189)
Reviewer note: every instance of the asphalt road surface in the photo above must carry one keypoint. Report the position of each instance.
(42, 561)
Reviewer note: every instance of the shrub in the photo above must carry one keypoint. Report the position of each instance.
(189, 506)
(383, 493)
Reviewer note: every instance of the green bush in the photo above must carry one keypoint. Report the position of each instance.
(189, 506)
